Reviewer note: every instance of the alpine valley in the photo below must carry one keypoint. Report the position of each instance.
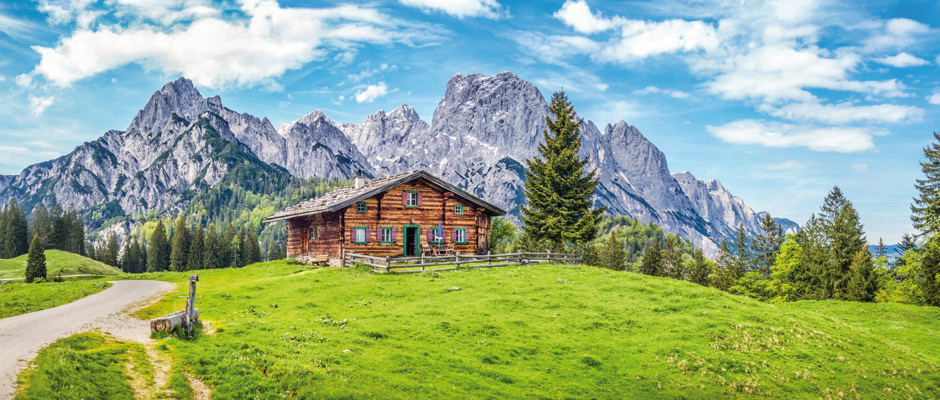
(181, 146)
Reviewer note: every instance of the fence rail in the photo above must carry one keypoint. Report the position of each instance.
(410, 265)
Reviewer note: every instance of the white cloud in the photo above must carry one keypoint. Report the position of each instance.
(895, 34)
(574, 80)
(217, 53)
(460, 8)
(676, 94)
(371, 93)
(37, 105)
(779, 135)
(369, 72)
(641, 39)
(3, 78)
(785, 166)
(859, 167)
(843, 113)
(934, 98)
(577, 14)
(902, 60)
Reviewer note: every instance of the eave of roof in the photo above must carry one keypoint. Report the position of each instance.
(405, 178)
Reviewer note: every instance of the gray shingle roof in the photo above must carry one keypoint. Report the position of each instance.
(345, 196)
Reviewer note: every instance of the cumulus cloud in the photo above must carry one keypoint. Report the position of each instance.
(895, 33)
(37, 105)
(214, 52)
(934, 98)
(676, 94)
(371, 92)
(902, 60)
(781, 135)
(460, 8)
(577, 14)
(844, 113)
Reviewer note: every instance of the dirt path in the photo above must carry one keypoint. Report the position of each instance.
(22, 336)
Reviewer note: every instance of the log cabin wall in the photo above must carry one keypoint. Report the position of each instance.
(387, 210)
(322, 233)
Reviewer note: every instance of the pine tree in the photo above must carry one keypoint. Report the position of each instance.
(228, 249)
(5, 237)
(925, 212)
(726, 272)
(108, 251)
(611, 255)
(249, 251)
(41, 224)
(211, 254)
(766, 246)
(197, 250)
(273, 250)
(844, 238)
(930, 271)
(179, 250)
(742, 259)
(863, 280)
(558, 191)
(652, 263)
(35, 261)
(59, 236)
(699, 270)
(880, 250)
(672, 259)
(18, 230)
(158, 253)
(809, 274)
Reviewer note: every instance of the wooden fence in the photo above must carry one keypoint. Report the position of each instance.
(410, 265)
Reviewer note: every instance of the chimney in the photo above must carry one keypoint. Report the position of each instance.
(359, 181)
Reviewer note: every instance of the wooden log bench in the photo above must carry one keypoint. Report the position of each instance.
(169, 322)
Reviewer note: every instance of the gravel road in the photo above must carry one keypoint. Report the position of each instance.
(22, 336)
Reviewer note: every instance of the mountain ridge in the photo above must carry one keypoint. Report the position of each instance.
(479, 137)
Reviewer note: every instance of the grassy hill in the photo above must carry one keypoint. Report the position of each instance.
(57, 262)
(546, 331)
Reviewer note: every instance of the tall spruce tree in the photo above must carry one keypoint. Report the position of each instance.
(742, 259)
(35, 261)
(611, 255)
(652, 263)
(699, 269)
(179, 249)
(863, 280)
(766, 246)
(5, 236)
(41, 224)
(558, 191)
(880, 250)
(844, 238)
(672, 259)
(211, 253)
(18, 230)
(726, 272)
(197, 250)
(925, 214)
(228, 248)
(158, 252)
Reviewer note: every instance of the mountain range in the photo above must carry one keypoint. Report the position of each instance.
(181, 144)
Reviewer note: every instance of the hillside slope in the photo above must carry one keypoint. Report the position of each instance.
(543, 332)
(57, 262)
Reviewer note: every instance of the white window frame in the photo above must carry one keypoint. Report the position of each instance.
(461, 232)
(412, 199)
(361, 236)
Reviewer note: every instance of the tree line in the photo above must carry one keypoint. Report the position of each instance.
(55, 229)
(184, 247)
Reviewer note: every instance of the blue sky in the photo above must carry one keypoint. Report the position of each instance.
(778, 100)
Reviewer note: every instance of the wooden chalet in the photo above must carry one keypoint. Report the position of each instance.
(403, 215)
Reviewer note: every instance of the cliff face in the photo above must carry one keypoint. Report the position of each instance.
(479, 137)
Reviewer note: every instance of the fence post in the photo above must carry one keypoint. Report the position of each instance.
(421, 261)
(388, 264)
(191, 305)
(342, 260)
(489, 258)
(457, 260)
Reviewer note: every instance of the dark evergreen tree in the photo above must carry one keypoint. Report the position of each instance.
(35, 261)
(672, 259)
(726, 271)
(558, 191)
(925, 212)
(611, 255)
(880, 250)
(197, 253)
(59, 236)
(108, 251)
(250, 249)
(766, 246)
(863, 281)
(179, 250)
(809, 273)
(158, 252)
(135, 258)
(273, 252)
(41, 224)
(5, 234)
(652, 263)
(91, 252)
(17, 230)
(228, 248)
(742, 258)
(211, 254)
(844, 238)
(699, 269)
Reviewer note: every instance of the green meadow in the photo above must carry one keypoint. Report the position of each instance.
(542, 331)
(57, 262)
(22, 298)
